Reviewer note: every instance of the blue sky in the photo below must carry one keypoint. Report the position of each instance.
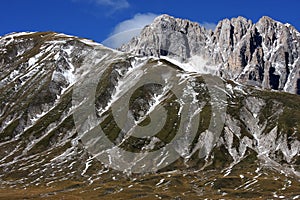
(98, 19)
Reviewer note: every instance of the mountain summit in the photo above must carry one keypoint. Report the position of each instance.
(264, 54)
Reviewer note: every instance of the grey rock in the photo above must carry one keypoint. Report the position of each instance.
(263, 54)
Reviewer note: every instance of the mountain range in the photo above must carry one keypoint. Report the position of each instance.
(180, 112)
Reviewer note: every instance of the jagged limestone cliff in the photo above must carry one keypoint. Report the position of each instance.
(264, 54)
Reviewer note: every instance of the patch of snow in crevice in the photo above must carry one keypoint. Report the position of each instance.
(11, 153)
(33, 60)
(70, 151)
(71, 165)
(160, 182)
(230, 89)
(296, 197)
(87, 165)
(56, 57)
(240, 89)
(228, 171)
(38, 116)
(64, 35)
(287, 25)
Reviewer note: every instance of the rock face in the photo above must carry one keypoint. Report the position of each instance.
(231, 138)
(264, 54)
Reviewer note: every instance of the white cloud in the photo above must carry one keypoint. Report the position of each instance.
(115, 4)
(128, 29)
(208, 25)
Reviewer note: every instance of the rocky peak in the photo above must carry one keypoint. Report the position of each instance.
(264, 54)
(268, 23)
(167, 22)
(232, 30)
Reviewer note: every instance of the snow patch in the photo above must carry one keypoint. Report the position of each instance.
(33, 60)
(14, 34)
(87, 165)
(90, 42)
(160, 182)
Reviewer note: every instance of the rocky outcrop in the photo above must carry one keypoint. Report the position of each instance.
(263, 54)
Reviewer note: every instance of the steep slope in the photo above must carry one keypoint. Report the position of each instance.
(264, 54)
(82, 120)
